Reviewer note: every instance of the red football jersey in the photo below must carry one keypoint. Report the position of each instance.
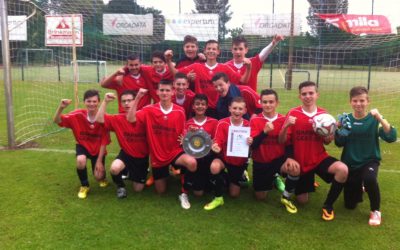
(134, 83)
(89, 135)
(256, 66)
(203, 83)
(131, 136)
(162, 130)
(208, 125)
(221, 138)
(308, 147)
(251, 98)
(188, 102)
(153, 78)
(269, 148)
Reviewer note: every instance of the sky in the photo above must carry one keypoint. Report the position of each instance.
(389, 8)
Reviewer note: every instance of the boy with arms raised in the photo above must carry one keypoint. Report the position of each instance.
(361, 151)
(268, 155)
(128, 77)
(239, 51)
(309, 150)
(199, 180)
(205, 71)
(91, 138)
(235, 165)
(164, 123)
(132, 141)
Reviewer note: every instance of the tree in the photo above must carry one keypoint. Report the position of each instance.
(236, 31)
(220, 7)
(318, 27)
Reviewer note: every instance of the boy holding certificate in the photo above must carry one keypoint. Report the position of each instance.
(232, 138)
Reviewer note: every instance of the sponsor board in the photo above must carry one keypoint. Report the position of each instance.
(270, 24)
(203, 26)
(61, 28)
(17, 28)
(359, 24)
(128, 24)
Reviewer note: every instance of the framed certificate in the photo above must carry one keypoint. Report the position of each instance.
(237, 141)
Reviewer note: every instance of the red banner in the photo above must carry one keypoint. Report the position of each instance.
(359, 24)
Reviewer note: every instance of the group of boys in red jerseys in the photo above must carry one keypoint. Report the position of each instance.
(283, 145)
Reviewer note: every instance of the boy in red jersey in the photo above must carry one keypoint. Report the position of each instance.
(228, 91)
(235, 165)
(205, 72)
(268, 155)
(164, 123)
(132, 141)
(91, 138)
(191, 55)
(155, 73)
(309, 150)
(190, 49)
(239, 51)
(128, 77)
(199, 180)
(183, 96)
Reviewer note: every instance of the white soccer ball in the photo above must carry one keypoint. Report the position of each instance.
(324, 124)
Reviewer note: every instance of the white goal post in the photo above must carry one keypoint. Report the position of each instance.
(89, 70)
(27, 60)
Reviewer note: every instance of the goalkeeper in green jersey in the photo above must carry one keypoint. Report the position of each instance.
(359, 135)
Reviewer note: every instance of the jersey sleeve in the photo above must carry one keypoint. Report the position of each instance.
(108, 122)
(220, 135)
(187, 69)
(388, 137)
(66, 121)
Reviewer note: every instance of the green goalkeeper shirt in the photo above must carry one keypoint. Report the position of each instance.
(362, 145)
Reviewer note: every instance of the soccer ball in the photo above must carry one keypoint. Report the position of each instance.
(324, 124)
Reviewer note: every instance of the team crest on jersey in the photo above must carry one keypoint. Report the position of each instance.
(210, 72)
(165, 117)
(310, 121)
(91, 126)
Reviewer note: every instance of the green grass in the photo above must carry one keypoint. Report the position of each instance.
(40, 209)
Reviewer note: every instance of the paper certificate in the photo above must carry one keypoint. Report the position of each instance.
(237, 141)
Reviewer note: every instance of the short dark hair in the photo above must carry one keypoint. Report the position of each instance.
(165, 82)
(131, 92)
(269, 92)
(220, 75)
(358, 90)
(190, 39)
(238, 40)
(158, 54)
(181, 75)
(307, 84)
(90, 93)
(237, 99)
(133, 57)
(211, 41)
(200, 97)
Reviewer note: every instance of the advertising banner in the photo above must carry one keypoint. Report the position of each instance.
(61, 28)
(359, 24)
(203, 26)
(128, 24)
(270, 24)
(17, 27)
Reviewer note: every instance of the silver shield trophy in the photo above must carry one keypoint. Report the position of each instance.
(197, 143)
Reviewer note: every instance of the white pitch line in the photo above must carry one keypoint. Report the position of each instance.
(69, 151)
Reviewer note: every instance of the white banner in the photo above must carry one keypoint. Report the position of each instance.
(203, 26)
(59, 30)
(270, 24)
(128, 24)
(17, 27)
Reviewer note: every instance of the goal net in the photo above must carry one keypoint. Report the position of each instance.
(89, 71)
